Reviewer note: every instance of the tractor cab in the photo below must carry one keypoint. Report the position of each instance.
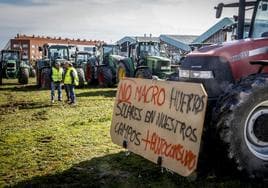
(82, 58)
(58, 53)
(108, 53)
(259, 24)
(148, 58)
(259, 27)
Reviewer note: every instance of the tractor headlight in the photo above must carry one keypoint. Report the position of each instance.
(184, 73)
(196, 74)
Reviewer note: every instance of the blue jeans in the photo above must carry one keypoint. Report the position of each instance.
(56, 85)
(70, 92)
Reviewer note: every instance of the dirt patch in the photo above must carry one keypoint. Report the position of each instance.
(45, 139)
(41, 115)
(12, 107)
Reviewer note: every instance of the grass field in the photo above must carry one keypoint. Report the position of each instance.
(61, 145)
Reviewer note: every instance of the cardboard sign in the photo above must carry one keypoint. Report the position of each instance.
(161, 121)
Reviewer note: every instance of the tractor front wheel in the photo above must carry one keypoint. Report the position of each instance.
(105, 76)
(242, 126)
(23, 76)
(81, 77)
(122, 72)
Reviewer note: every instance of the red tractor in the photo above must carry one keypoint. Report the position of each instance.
(235, 76)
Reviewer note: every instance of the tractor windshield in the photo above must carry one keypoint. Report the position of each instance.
(83, 57)
(10, 56)
(261, 20)
(149, 48)
(114, 50)
(58, 53)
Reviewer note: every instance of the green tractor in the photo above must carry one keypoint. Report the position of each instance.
(51, 54)
(104, 68)
(145, 56)
(12, 66)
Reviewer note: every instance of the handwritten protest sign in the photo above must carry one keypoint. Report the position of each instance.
(161, 121)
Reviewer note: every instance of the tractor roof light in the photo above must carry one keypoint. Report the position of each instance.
(196, 74)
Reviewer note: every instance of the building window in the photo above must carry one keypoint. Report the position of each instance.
(25, 46)
(33, 46)
(16, 45)
(33, 51)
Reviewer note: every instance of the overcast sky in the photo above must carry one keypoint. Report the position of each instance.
(107, 20)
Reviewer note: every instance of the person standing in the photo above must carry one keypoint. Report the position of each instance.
(56, 77)
(70, 81)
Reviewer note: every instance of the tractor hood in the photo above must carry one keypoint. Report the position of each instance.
(117, 57)
(158, 58)
(61, 61)
(11, 61)
(223, 64)
(235, 50)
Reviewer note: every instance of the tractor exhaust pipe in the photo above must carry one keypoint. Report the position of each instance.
(241, 19)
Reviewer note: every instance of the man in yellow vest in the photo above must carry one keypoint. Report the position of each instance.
(56, 76)
(70, 81)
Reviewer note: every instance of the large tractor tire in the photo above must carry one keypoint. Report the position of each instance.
(45, 79)
(143, 73)
(32, 72)
(23, 76)
(122, 72)
(90, 71)
(81, 77)
(38, 78)
(105, 76)
(242, 126)
(1, 75)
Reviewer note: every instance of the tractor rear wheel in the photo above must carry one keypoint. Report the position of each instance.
(23, 76)
(105, 76)
(242, 126)
(122, 71)
(143, 73)
(44, 77)
(81, 77)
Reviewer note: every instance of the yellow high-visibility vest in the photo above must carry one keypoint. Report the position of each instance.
(68, 77)
(57, 74)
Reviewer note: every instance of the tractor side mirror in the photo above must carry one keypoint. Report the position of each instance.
(265, 34)
(219, 10)
(264, 7)
(40, 49)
